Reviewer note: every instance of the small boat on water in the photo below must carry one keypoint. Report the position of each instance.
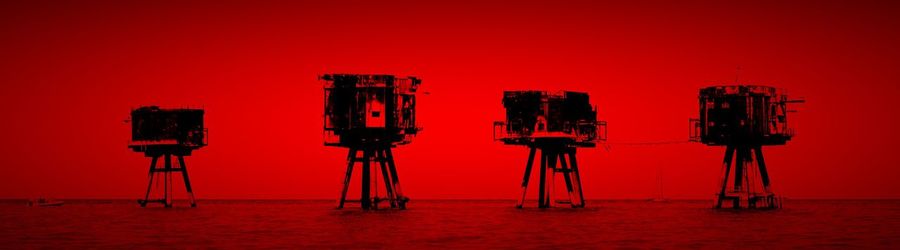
(44, 202)
(658, 200)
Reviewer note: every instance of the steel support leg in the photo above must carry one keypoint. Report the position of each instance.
(729, 155)
(365, 199)
(763, 172)
(187, 181)
(168, 183)
(351, 159)
(739, 170)
(542, 185)
(567, 175)
(528, 166)
(401, 199)
(150, 184)
(572, 161)
(551, 175)
(380, 156)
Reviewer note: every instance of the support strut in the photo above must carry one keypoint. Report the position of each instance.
(383, 158)
(554, 159)
(741, 159)
(166, 171)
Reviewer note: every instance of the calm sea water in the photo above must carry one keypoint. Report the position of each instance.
(453, 224)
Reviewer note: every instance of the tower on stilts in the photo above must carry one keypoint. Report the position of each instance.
(743, 119)
(167, 134)
(370, 115)
(552, 125)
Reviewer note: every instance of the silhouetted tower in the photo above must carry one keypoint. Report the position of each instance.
(743, 118)
(163, 133)
(556, 124)
(370, 114)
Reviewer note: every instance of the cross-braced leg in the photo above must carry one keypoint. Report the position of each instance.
(577, 175)
(763, 172)
(168, 183)
(351, 159)
(528, 166)
(365, 199)
(401, 200)
(567, 175)
(542, 184)
(551, 175)
(729, 155)
(187, 181)
(149, 185)
(386, 176)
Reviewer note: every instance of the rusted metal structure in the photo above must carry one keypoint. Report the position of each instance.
(556, 123)
(743, 118)
(370, 114)
(163, 133)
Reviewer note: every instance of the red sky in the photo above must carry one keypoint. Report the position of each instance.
(72, 70)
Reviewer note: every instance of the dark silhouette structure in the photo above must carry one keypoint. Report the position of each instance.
(556, 124)
(370, 114)
(743, 118)
(163, 133)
